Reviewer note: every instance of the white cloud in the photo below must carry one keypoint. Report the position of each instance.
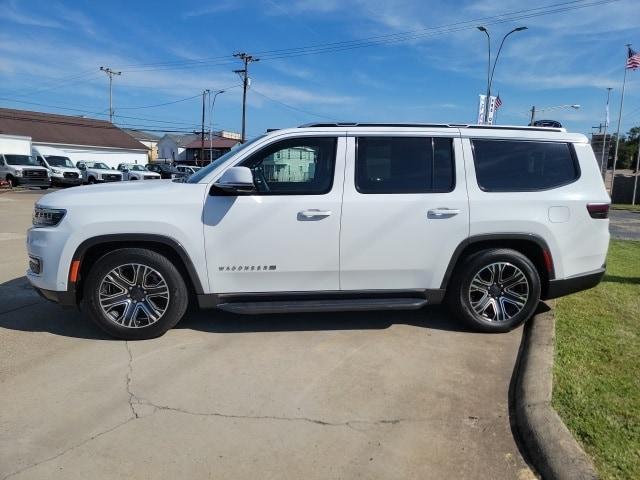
(211, 9)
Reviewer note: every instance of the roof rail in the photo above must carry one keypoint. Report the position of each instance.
(432, 125)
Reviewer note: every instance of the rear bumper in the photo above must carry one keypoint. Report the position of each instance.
(577, 283)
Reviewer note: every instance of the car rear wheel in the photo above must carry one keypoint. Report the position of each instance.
(495, 290)
(135, 294)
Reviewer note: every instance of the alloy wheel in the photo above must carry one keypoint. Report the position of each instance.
(499, 291)
(134, 295)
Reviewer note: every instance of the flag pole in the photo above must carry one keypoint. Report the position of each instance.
(615, 155)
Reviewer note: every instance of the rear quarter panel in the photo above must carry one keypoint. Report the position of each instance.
(577, 242)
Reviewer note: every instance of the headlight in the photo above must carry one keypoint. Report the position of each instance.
(47, 217)
(56, 171)
(18, 173)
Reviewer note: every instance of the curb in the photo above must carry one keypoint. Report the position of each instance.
(553, 451)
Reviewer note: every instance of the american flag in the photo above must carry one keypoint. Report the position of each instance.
(498, 102)
(633, 59)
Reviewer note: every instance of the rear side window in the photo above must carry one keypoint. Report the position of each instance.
(404, 165)
(522, 166)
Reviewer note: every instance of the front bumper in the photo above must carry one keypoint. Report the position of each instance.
(33, 182)
(66, 181)
(566, 286)
(66, 298)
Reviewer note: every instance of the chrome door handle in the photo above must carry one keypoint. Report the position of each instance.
(442, 212)
(312, 212)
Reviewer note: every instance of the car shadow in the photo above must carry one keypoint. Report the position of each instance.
(618, 279)
(21, 308)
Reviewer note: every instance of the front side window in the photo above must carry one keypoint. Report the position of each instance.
(297, 166)
(522, 166)
(404, 165)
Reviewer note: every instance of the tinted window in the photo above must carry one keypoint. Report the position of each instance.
(298, 166)
(516, 166)
(404, 165)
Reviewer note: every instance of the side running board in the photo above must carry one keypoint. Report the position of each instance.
(336, 305)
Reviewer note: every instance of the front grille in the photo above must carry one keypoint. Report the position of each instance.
(70, 175)
(150, 177)
(34, 173)
(110, 177)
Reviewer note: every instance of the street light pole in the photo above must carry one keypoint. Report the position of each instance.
(213, 104)
(603, 169)
(495, 61)
(535, 110)
(486, 100)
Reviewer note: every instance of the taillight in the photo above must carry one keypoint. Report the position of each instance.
(598, 210)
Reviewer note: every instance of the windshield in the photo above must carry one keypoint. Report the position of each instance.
(98, 166)
(203, 172)
(20, 160)
(137, 168)
(55, 161)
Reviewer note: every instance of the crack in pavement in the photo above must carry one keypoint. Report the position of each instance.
(134, 400)
(132, 397)
(67, 450)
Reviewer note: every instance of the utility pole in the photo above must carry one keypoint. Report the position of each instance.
(244, 75)
(533, 114)
(204, 96)
(110, 73)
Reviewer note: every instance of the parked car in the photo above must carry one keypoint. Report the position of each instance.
(61, 169)
(17, 166)
(165, 170)
(331, 217)
(133, 171)
(188, 169)
(98, 172)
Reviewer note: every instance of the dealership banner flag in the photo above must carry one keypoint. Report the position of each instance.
(481, 109)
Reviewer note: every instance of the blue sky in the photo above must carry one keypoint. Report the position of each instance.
(50, 52)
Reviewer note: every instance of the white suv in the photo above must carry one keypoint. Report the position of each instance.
(330, 217)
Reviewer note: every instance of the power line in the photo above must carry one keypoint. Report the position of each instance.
(160, 104)
(292, 107)
(380, 40)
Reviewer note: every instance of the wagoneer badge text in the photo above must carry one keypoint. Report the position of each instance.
(247, 268)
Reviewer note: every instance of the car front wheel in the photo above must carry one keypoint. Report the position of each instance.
(135, 294)
(495, 290)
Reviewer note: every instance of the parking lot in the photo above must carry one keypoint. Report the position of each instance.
(366, 395)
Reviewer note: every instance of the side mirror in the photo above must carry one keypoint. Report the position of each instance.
(236, 180)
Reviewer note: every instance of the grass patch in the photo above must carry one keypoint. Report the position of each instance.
(597, 366)
(623, 206)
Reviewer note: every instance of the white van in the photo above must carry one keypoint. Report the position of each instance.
(61, 169)
(17, 166)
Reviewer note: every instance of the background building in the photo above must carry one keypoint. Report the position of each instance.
(147, 139)
(186, 148)
(83, 139)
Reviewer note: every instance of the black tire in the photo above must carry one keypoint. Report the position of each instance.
(91, 181)
(460, 293)
(174, 308)
(44, 188)
(12, 181)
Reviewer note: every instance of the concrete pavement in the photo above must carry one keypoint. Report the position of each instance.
(624, 225)
(357, 395)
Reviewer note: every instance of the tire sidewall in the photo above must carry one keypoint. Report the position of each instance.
(178, 298)
(482, 259)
